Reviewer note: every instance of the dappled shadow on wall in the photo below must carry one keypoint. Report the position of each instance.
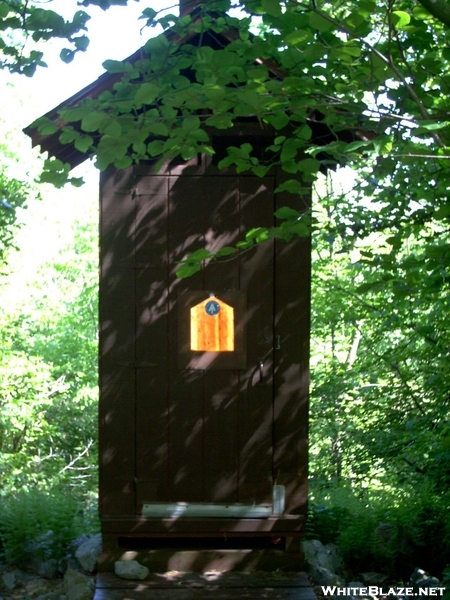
(180, 425)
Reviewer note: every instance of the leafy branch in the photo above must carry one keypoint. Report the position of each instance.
(293, 224)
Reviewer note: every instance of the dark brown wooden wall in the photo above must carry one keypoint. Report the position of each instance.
(172, 434)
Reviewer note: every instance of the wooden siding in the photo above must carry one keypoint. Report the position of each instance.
(172, 434)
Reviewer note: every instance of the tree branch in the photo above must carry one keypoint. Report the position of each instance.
(389, 62)
(440, 9)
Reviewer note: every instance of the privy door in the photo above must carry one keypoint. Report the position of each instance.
(174, 428)
(203, 430)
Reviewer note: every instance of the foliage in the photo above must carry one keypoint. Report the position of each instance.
(380, 384)
(446, 582)
(360, 83)
(39, 526)
(380, 443)
(13, 195)
(292, 223)
(320, 55)
(17, 188)
(357, 83)
(48, 371)
(25, 25)
(324, 522)
(391, 531)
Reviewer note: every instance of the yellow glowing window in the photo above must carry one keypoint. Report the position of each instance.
(212, 326)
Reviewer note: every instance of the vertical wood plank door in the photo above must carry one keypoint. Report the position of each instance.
(171, 432)
(203, 435)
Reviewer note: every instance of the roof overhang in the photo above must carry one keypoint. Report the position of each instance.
(67, 153)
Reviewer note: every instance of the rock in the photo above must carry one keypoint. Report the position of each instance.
(38, 587)
(421, 579)
(41, 549)
(70, 562)
(327, 556)
(311, 548)
(334, 557)
(323, 576)
(429, 582)
(78, 541)
(323, 562)
(130, 569)
(15, 578)
(373, 578)
(355, 584)
(80, 592)
(78, 586)
(88, 551)
(417, 575)
(46, 568)
(73, 577)
(55, 594)
(9, 580)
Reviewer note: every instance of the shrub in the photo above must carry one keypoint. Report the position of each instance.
(389, 531)
(325, 522)
(40, 525)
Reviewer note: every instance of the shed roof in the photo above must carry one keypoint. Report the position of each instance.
(67, 153)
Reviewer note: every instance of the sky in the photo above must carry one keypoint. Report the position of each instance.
(115, 33)
(47, 224)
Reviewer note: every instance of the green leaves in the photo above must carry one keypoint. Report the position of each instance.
(13, 195)
(116, 66)
(241, 157)
(425, 126)
(279, 121)
(20, 20)
(190, 123)
(299, 37)
(41, 18)
(320, 22)
(199, 255)
(293, 186)
(223, 121)
(379, 330)
(293, 223)
(443, 212)
(309, 165)
(271, 7)
(400, 19)
(193, 263)
(288, 78)
(287, 213)
(225, 251)
(146, 93)
(149, 14)
(188, 269)
(92, 120)
(57, 173)
(45, 126)
(83, 143)
(348, 85)
(48, 328)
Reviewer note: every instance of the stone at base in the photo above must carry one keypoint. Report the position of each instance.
(130, 569)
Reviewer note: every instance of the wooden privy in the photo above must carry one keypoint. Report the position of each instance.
(203, 381)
